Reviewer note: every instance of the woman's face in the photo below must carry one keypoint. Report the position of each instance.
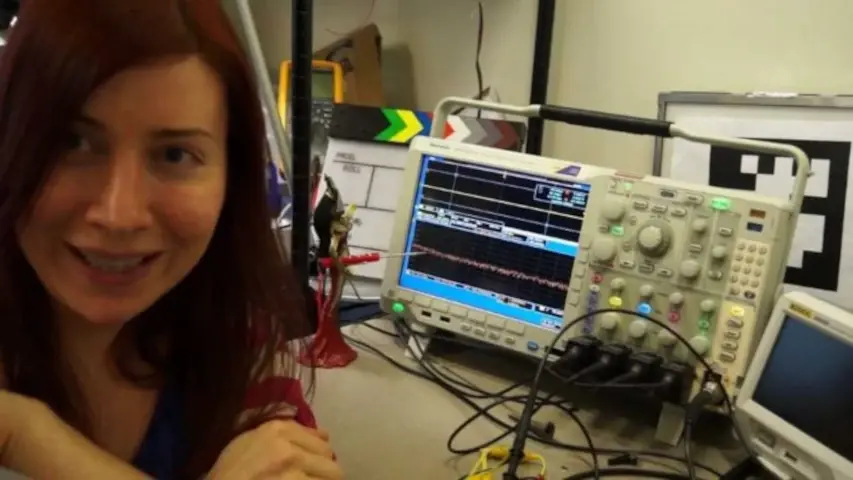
(132, 204)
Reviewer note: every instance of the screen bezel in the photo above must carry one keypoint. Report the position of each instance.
(821, 316)
(478, 155)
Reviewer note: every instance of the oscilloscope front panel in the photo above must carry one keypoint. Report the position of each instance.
(706, 261)
(496, 236)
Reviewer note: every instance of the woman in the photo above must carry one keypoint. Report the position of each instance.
(143, 298)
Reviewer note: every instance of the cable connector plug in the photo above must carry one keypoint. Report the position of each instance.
(711, 394)
(580, 352)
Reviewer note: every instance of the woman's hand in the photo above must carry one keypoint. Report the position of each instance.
(278, 450)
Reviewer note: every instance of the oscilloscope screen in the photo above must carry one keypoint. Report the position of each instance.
(494, 240)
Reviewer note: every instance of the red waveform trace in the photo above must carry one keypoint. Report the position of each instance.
(491, 268)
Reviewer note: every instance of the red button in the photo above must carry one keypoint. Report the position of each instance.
(674, 317)
(596, 278)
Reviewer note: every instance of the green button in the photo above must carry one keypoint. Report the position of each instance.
(628, 185)
(721, 203)
(398, 307)
(617, 230)
(704, 325)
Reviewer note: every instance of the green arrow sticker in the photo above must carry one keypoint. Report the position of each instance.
(395, 125)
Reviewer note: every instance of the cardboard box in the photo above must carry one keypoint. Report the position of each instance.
(360, 54)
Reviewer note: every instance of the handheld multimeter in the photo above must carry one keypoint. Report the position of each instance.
(327, 87)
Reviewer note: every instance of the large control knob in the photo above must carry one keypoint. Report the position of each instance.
(699, 226)
(707, 306)
(604, 249)
(646, 291)
(653, 240)
(666, 339)
(690, 269)
(609, 321)
(637, 329)
(718, 253)
(613, 210)
(701, 344)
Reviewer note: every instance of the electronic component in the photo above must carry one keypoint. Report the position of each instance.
(499, 231)
(518, 245)
(796, 395)
(685, 255)
(327, 89)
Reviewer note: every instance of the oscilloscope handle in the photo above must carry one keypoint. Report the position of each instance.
(571, 116)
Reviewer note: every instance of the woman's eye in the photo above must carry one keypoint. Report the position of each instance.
(77, 142)
(177, 155)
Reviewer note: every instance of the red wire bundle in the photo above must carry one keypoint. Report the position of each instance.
(328, 349)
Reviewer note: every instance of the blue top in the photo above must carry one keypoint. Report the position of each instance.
(163, 447)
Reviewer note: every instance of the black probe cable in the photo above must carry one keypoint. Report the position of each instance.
(508, 428)
(517, 449)
(590, 449)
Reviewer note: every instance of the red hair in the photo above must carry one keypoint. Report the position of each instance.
(56, 55)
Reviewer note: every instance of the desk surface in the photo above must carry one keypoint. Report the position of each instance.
(389, 425)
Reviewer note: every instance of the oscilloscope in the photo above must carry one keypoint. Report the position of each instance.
(498, 233)
(795, 411)
(513, 245)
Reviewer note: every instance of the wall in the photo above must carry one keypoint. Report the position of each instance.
(332, 19)
(442, 36)
(429, 46)
(618, 55)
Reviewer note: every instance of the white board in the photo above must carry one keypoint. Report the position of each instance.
(368, 176)
(821, 259)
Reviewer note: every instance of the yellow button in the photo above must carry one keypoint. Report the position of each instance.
(737, 311)
(614, 302)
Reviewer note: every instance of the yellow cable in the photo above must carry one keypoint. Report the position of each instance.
(482, 471)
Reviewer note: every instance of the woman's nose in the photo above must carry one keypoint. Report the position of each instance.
(122, 204)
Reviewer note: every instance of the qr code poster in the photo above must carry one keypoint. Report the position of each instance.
(821, 257)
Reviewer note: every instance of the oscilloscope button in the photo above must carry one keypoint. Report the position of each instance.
(532, 346)
(494, 336)
(407, 296)
(465, 327)
(458, 311)
(477, 317)
(479, 331)
(495, 322)
(515, 328)
(422, 300)
(509, 340)
(440, 306)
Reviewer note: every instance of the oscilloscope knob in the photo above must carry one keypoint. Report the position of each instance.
(701, 344)
(647, 291)
(609, 321)
(699, 225)
(613, 209)
(653, 240)
(689, 269)
(637, 329)
(666, 339)
(604, 249)
(718, 252)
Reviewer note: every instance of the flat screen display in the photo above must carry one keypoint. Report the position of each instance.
(808, 383)
(495, 240)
